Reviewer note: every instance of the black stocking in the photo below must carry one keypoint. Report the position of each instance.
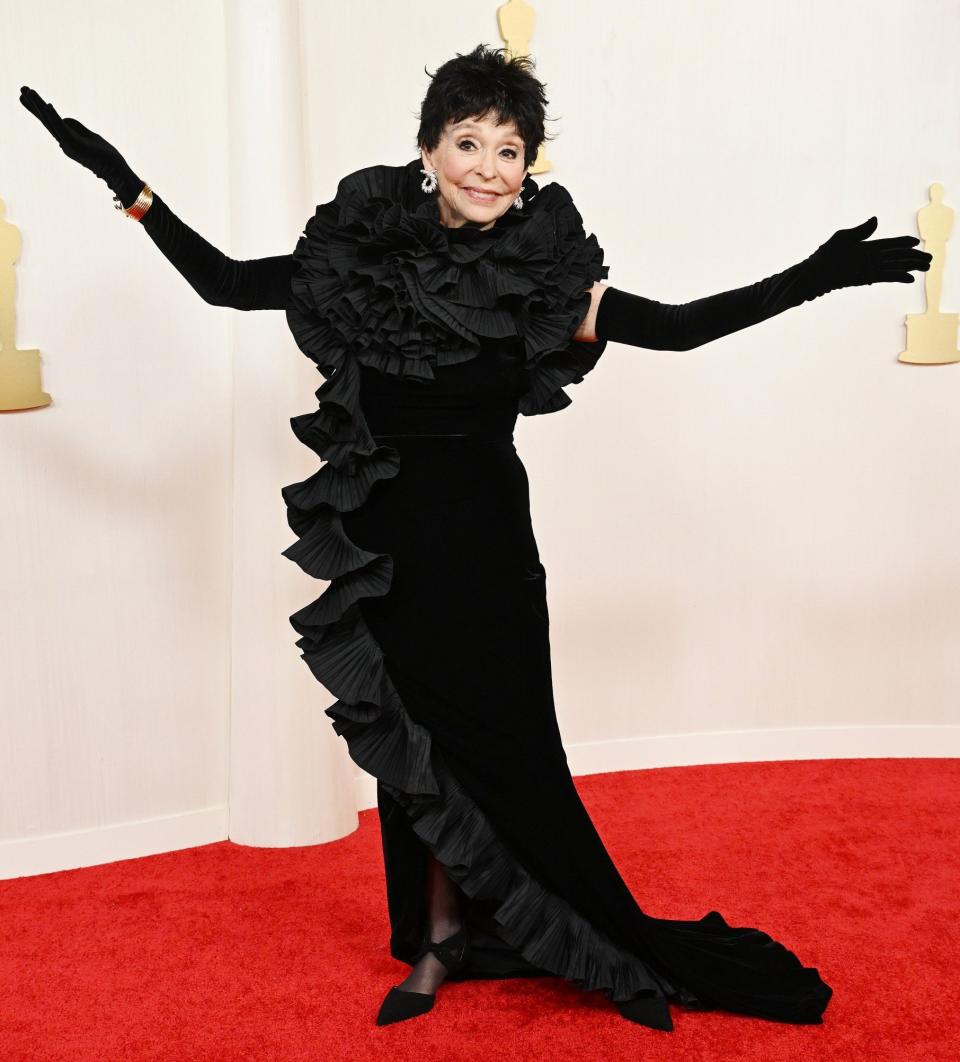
(443, 912)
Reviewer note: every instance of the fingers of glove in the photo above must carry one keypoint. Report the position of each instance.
(896, 241)
(64, 129)
(886, 275)
(39, 108)
(909, 259)
(81, 144)
(858, 232)
(884, 278)
(877, 273)
(30, 99)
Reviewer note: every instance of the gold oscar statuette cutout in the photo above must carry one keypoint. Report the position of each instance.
(932, 336)
(19, 369)
(515, 22)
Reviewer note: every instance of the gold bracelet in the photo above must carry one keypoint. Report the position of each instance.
(139, 207)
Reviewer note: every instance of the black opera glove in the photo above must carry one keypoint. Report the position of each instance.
(254, 284)
(86, 147)
(847, 259)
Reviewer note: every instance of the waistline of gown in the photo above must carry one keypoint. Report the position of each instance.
(480, 423)
(476, 437)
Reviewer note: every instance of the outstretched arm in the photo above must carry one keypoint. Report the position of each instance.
(254, 284)
(250, 284)
(846, 259)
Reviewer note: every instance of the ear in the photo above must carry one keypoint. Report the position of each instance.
(425, 159)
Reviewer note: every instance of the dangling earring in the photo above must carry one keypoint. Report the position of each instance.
(518, 203)
(429, 182)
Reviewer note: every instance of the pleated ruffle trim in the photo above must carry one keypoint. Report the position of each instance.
(381, 283)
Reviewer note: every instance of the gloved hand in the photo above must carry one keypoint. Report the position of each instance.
(848, 259)
(254, 284)
(86, 147)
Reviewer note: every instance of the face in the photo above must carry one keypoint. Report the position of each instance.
(476, 156)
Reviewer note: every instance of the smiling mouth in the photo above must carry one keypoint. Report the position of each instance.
(482, 196)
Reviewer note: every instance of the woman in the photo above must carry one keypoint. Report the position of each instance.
(440, 299)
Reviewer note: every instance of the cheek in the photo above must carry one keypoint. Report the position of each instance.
(513, 177)
(456, 167)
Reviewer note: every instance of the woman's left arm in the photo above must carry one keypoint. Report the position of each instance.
(847, 259)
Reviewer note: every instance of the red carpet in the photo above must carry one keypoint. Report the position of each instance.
(226, 952)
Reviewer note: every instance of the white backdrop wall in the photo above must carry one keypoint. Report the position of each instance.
(751, 547)
(116, 535)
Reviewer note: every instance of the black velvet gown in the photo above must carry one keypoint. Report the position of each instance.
(433, 633)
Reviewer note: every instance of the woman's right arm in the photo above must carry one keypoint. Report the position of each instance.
(253, 284)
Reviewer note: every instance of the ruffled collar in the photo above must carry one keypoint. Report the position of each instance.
(383, 281)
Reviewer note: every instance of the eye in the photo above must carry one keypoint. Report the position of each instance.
(511, 153)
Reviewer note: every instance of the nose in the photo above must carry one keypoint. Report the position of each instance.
(486, 165)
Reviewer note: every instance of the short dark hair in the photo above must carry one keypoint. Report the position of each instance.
(485, 80)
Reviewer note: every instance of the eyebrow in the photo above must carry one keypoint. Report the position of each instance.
(473, 125)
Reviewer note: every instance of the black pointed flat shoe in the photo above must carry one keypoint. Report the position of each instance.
(651, 1011)
(399, 1003)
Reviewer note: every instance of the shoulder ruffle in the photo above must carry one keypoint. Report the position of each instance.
(382, 281)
